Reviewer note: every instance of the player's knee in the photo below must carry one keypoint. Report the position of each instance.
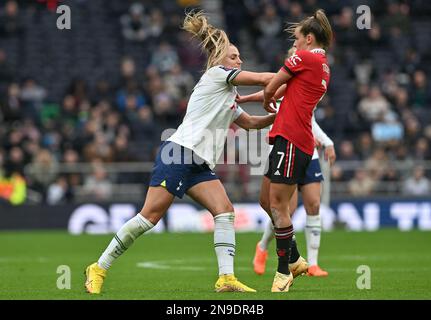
(313, 207)
(280, 216)
(152, 216)
(225, 209)
(228, 207)
(222, 208)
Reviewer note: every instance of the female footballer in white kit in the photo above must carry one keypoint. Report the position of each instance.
(184, 163)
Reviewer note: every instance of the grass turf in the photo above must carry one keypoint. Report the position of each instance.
(184, 267)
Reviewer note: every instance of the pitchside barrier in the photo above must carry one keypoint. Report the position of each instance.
(348, 214)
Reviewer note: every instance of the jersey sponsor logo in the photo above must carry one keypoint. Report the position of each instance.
(294, 59)
(318, 174)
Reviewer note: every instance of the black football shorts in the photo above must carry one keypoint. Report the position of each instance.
(286, 163)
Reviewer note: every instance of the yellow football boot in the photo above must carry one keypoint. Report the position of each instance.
(94, 278)
(228, 283)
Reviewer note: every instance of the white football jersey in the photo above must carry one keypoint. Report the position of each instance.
(210, 112)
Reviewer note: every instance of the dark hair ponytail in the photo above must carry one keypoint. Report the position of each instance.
(318, 24)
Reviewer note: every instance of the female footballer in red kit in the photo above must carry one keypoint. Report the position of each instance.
(304, 78)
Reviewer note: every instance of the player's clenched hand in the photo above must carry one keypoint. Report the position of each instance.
(330, 154)
(270, 105)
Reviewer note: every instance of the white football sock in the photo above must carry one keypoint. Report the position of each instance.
(224, 242)
(124, 238)
(268, 235)
(312, 237)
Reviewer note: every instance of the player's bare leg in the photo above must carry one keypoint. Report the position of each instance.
(311, 196)
(212, 196)
(298, 265)
(279, 198)
(157, 202)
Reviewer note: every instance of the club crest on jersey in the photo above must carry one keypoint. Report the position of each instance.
(294, 59)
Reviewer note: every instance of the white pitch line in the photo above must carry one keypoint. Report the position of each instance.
(15, 259)
(167, 265)
(180, 265)
(380, 269)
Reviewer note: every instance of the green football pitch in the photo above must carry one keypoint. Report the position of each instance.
(184, 267)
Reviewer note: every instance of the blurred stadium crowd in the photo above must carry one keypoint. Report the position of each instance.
(104, 91)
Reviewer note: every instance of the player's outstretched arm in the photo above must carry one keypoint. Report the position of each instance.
(247, 121)
(247, 78)
(253, 97)
(258, 96)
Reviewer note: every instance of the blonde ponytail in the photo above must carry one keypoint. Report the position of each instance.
(213, 41)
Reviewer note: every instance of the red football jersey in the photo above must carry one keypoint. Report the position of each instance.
(304, 90)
